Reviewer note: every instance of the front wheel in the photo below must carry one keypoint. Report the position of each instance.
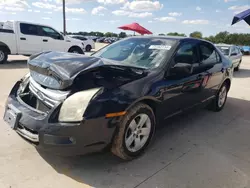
(76, 50)
(3, 56)
(219, 102)
(134, 133)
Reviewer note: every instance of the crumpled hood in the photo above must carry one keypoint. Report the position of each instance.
(66, 66)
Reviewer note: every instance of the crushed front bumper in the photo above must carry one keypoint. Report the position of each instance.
(88, 136)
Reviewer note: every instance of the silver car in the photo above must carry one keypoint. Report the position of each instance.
(233, 53)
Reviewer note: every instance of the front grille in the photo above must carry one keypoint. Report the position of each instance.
(47, 96)
(40, 99)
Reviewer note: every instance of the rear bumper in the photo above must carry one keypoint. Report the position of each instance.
(69, 139)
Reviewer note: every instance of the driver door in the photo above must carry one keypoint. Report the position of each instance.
(183, 91)
(52, 40)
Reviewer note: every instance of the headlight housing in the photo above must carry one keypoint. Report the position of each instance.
(73, 108)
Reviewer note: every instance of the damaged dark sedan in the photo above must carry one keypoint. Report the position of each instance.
(72, 104)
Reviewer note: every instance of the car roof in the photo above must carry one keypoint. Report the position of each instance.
(224, 45)
(177, 38)
(76, 35)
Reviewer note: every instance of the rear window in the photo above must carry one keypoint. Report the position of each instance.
(208, 54)
(224, 49)
(29, 29)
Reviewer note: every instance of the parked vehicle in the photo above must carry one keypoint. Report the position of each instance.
(117, 96)
(100, 39)
(241, 49)
(233, 53)
(28, 38)
(94, 38)
(107, 40)
(88, 43)
(246, 50)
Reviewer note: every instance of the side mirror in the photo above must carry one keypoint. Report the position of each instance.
(233, 54)
(181, 69)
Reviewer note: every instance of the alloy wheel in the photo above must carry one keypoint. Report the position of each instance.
(2, 55)
(138, 132)
(222, 96)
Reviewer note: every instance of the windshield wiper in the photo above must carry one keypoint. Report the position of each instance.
(134, 69)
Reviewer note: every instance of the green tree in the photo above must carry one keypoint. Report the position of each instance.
(176, 34)
(122, 35)
(196, 34)
(114, 35)
(222, 37)
(210, 38)
(108, 34)
(99, 34)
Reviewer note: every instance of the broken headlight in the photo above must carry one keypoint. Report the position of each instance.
(73, 108)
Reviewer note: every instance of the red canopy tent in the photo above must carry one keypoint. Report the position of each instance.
(136, 28)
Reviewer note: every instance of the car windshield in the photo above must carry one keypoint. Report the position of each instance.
(224, 49)
(139, 52)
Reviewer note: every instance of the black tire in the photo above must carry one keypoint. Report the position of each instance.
(214, 105)
(119, 147)
(88, 48)
(76, 50)
(3, 55)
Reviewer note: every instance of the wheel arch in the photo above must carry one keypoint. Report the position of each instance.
(75, 46)
(227, 81)
(150, 101)
(3, 45)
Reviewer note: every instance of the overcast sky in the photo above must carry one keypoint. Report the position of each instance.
(159, 16)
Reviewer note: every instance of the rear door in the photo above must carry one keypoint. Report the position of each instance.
(234, 56)
(212, 70)
(239, 54)
(29, 41)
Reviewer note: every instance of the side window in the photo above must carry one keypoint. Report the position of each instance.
(234, 50)
(187, 53)
(237, 50)
(208, 54)
(28, 29)
(218, 57)
(49, 32)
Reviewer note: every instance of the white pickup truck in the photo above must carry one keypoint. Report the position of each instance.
(23, 38)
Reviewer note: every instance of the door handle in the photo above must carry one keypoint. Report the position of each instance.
(22, 38)
(45, 40)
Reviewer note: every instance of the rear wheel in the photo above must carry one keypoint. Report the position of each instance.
(135, 132)
(88, 48)
(76, 50)
(219, 102)
(3, 55)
